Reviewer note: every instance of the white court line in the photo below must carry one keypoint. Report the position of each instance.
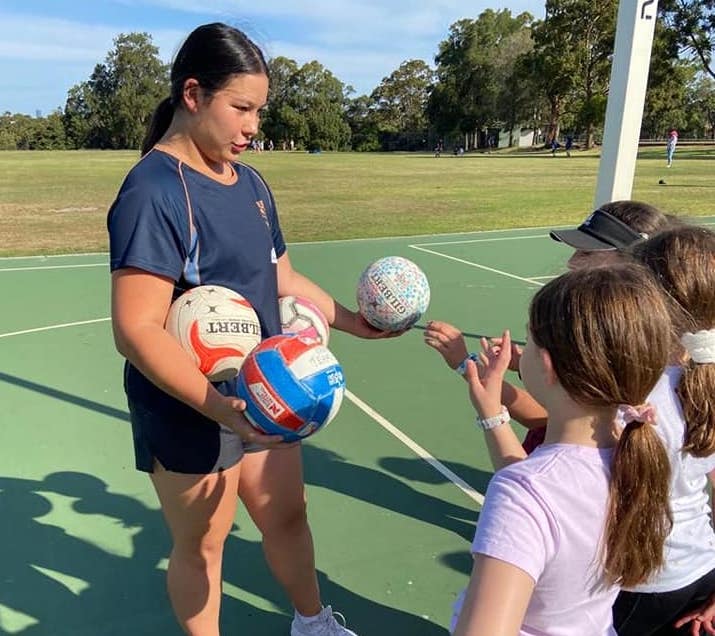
(50, 327)
(330, 241)
(486, 240)
(416, 448)
(36, 267)
(407, 441)
(357, 240)
(17, 258)
(549, 277)
(484, 267)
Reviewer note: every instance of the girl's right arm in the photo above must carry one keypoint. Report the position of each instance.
(485, 392)
(140, 302)
(496, 599)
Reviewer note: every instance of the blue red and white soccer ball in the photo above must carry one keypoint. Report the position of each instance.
(217, 326)
(393, 293)
(292, 385)
(302, 317)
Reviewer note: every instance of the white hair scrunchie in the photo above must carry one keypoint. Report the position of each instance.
(700, 345)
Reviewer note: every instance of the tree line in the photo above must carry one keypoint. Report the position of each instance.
(494, 76)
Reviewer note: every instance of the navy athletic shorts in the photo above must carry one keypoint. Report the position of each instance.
(180, 438)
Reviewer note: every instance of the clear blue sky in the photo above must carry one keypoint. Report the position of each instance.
(48, 46)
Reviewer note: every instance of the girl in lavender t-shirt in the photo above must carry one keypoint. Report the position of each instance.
(560, 530)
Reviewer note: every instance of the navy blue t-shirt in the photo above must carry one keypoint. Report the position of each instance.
(171, 220)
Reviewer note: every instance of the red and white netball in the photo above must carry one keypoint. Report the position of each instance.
(302, 317)
(293, 386)
(393, 293)
(217, 326)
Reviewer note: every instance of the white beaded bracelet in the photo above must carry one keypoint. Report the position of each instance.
(488, 423)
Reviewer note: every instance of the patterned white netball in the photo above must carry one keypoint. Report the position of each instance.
(393, 293)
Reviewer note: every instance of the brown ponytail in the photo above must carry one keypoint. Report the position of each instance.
(697, 397)
(608, 333)
(639, 517)
(160, 122)
(683, 259)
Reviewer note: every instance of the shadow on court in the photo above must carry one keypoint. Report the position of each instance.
(67, 586)
(56, 581)
(329, 470)
(70, 398)
(415, 469)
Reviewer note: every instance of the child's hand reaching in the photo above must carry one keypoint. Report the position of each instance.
(448, 340)
(700, 619)
(485, 384)
(516, 352)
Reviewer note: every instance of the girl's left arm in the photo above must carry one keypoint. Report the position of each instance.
(496, 599)
(293, 283)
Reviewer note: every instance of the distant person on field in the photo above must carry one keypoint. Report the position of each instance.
(670, 146)
(568, 145)
(190, 213)
(562, 529)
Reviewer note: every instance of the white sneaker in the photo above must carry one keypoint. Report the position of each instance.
(325, 624)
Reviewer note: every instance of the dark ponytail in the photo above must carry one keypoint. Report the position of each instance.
(159, 124)
(212, 54)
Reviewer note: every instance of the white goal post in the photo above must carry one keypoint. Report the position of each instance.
(626, 97)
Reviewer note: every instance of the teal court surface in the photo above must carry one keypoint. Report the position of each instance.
(394, 483)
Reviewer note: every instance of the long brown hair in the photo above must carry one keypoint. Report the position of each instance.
(608, 333)
(639, 216)
(683, 260)
(212, 54)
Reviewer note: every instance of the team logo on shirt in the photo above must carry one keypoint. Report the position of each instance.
(262, 211)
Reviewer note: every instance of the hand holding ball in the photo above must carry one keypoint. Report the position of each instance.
(393, 293)
(293, 386)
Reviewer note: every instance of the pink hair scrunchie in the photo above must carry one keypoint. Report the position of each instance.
(645, 413)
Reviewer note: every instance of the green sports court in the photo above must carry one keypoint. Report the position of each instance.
(394, 483)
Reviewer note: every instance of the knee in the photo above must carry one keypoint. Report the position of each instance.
(201, 550)
(291, 519)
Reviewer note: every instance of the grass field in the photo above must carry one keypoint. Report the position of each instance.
(56, 202)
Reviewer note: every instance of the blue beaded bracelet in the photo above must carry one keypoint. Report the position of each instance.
(462, 368)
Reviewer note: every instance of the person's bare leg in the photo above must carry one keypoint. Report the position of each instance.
(199, 510)
(272, 490)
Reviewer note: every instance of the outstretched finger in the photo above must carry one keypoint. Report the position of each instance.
(683, 620)
(471, 375)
